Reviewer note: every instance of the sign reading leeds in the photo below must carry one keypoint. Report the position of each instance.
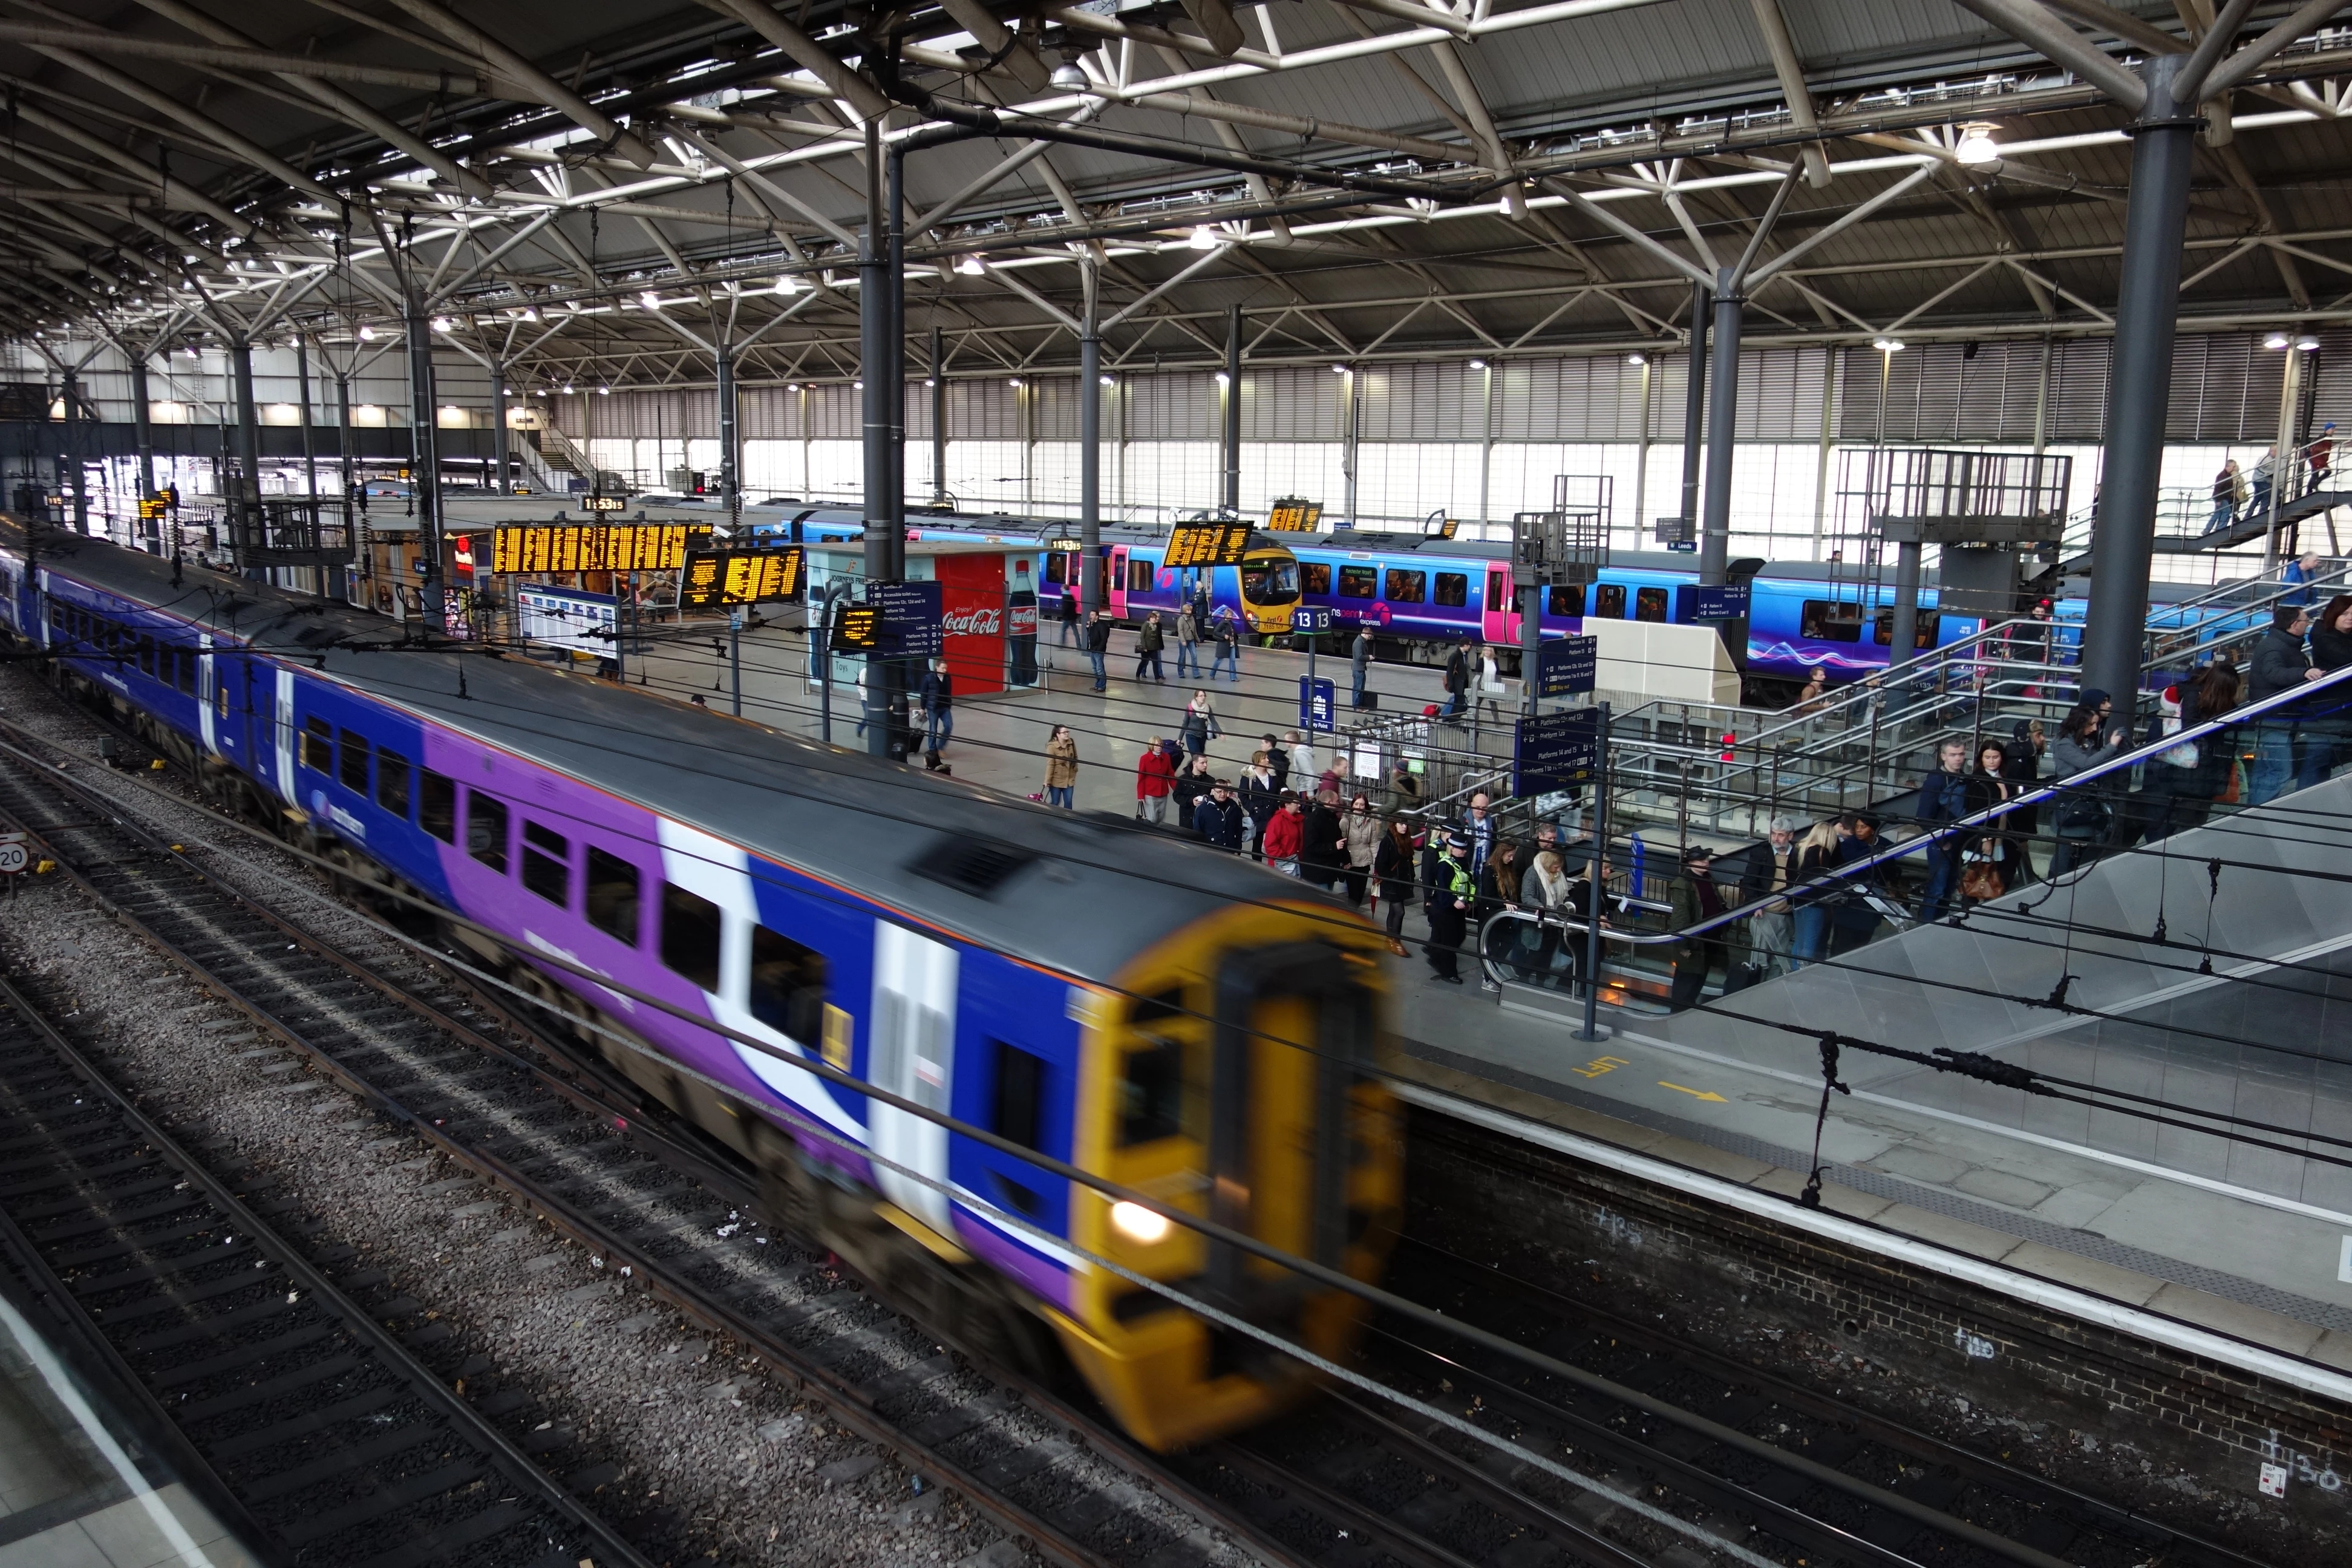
(1555, 752)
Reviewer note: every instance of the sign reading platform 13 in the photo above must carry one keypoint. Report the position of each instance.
(592, 547)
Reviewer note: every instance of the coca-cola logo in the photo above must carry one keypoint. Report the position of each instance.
(985, 621)
(1024, 620)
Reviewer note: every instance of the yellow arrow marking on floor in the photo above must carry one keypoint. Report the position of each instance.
(1693, 1093)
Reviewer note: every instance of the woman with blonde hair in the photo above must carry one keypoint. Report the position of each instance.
(1817, 856)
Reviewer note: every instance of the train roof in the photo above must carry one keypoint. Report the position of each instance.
(1081, 892)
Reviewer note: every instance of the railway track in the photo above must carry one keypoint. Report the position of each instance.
(1688, 1460)
(291, 1398)
(661, 1212)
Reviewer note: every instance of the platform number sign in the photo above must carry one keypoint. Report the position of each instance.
(1310, 619)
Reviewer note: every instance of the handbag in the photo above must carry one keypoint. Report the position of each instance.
(1980, 879)
(2082, 816)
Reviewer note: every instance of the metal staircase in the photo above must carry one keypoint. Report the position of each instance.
(2184, 524)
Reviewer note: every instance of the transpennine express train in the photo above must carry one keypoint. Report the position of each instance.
(1422, 594)
(1176, 1020)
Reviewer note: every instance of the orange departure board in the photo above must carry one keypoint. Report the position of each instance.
(716, 578)
(1291, 514)
(858, 628)
(591, 547)
(1207, 544)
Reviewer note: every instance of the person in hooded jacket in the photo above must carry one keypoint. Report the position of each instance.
(1218, 818)
(1323, 842)
(2280, 664)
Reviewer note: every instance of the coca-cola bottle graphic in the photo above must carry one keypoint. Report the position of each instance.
(1021, 628)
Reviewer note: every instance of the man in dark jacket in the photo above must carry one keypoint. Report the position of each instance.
(1098, 647)
(1360, 663)
(1695, 898)
(2279, 665)
(938, 710)
(1943, 797)
(1217, 818)
(1149, 641)
(1324, 854)
(1457, 679)
(1449, 894)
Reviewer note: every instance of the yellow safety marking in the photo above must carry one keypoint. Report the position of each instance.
(1600, 1064)
(1693, 1093)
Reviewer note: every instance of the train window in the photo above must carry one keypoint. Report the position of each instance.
(1057, 566)
(318, 745)
(1406, 588)
(1270, 581)
(1650, 605)
(1826, 620)
(147, 656)
(186, 674)
(355, 772)
(787, 985)
(485, 829)
(1019, 1096)
(1567, 603)
(392, 782)
(1151, 1093)
(1359, 582)
(1452, 588)
(690, 935)
(613, 895)
(1139, 575)
(1609, 601)
(547, 863)
(436, 803)
(1315, 576)
(1923, 634)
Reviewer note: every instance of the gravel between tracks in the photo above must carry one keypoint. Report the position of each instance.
(717, 1460)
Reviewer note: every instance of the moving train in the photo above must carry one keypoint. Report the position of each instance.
(1422, 595)
(1175, 1020)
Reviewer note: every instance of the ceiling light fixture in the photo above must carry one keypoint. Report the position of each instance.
(1204, 238)
(442, 323)
(651, 300)
(367, 334)
(1637, 359)
(567, 389)
(971, 267)
(788, 284)
(1109, 381)
(1477, 364)
(2275, 340)
(2306, 344)
(1976, 147)
(1888, 345)
(603, 392)
(1069, 75)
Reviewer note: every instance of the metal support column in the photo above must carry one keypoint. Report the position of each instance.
(1722, 420)
(498, 437)
(1693, 406)
(79, 481)
(309, 446)
(873, 335)
(244, 531)
(1090, 594)
(424, 464)
(730, 484)
(352, 537)
(2285, 465)
(894, 371)
(2139, 384)
(938, 418)
(1902, 640)
(144, 434)
(1231, 498)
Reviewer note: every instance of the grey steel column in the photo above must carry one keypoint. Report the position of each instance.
(894, 370)
(1902, 642)
(80, 481)
(1233, 410)
(731, 485)
(424, 462)
(360, 566)
(873, 333)
(1694, 409)
(498, 425)
(939, 417)
(144, 431)
(1091, 593)
(1722, 419)
(2140, 385)
(310, 449)
(245, 531)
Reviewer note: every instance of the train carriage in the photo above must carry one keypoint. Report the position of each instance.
(1169, 1018)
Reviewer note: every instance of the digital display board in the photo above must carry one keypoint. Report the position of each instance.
(604, 503)
(1207, 544)
(1294, 514)
(857, 628)
(740, 577)
(591, 547)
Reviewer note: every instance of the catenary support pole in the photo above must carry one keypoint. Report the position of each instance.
(731, 485)
(1591, 1034)
(76, 476)
(1903, 639)
(309, 441)
(498, 437)
(1231, 499)
(1722, 423)
(144, 432)
(2139, 384)
(1090, 594)
(1694, 409)
(244, 530)
(352, 538)
(873, 333)
(425, 465)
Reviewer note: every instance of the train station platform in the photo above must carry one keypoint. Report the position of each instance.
(2225, 1247)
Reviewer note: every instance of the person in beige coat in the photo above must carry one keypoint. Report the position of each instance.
(1061, 768)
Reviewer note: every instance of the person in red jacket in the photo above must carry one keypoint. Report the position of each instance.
(1154, 776)
(1286, 833)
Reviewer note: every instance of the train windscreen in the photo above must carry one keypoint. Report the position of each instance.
(1269, 580)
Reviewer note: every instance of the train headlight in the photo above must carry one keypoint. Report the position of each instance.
(1137, 1223)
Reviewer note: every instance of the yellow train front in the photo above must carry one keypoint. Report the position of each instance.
(1268, 582)
(1234, 1077)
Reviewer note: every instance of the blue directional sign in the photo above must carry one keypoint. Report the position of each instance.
(1683, 546)
(1317, 704)
(1566, 666)
(1724, 604)
(1555, 752)
(1309, 620)
(910, 618)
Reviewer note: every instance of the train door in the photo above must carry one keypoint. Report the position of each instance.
(209, 707)
(1498, 617)
(281, 739)
(913, 1056)
(1116, 583)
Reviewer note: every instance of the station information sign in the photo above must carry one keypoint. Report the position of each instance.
(1449, 528)
(1567, 666)
(1294, 514)
(591, 547)
(911, 616)
(857, 628)
(719, 577)
(153, 508)
(1554, 750)
(1207, 544)
(1724, 604)
(1318, 704)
